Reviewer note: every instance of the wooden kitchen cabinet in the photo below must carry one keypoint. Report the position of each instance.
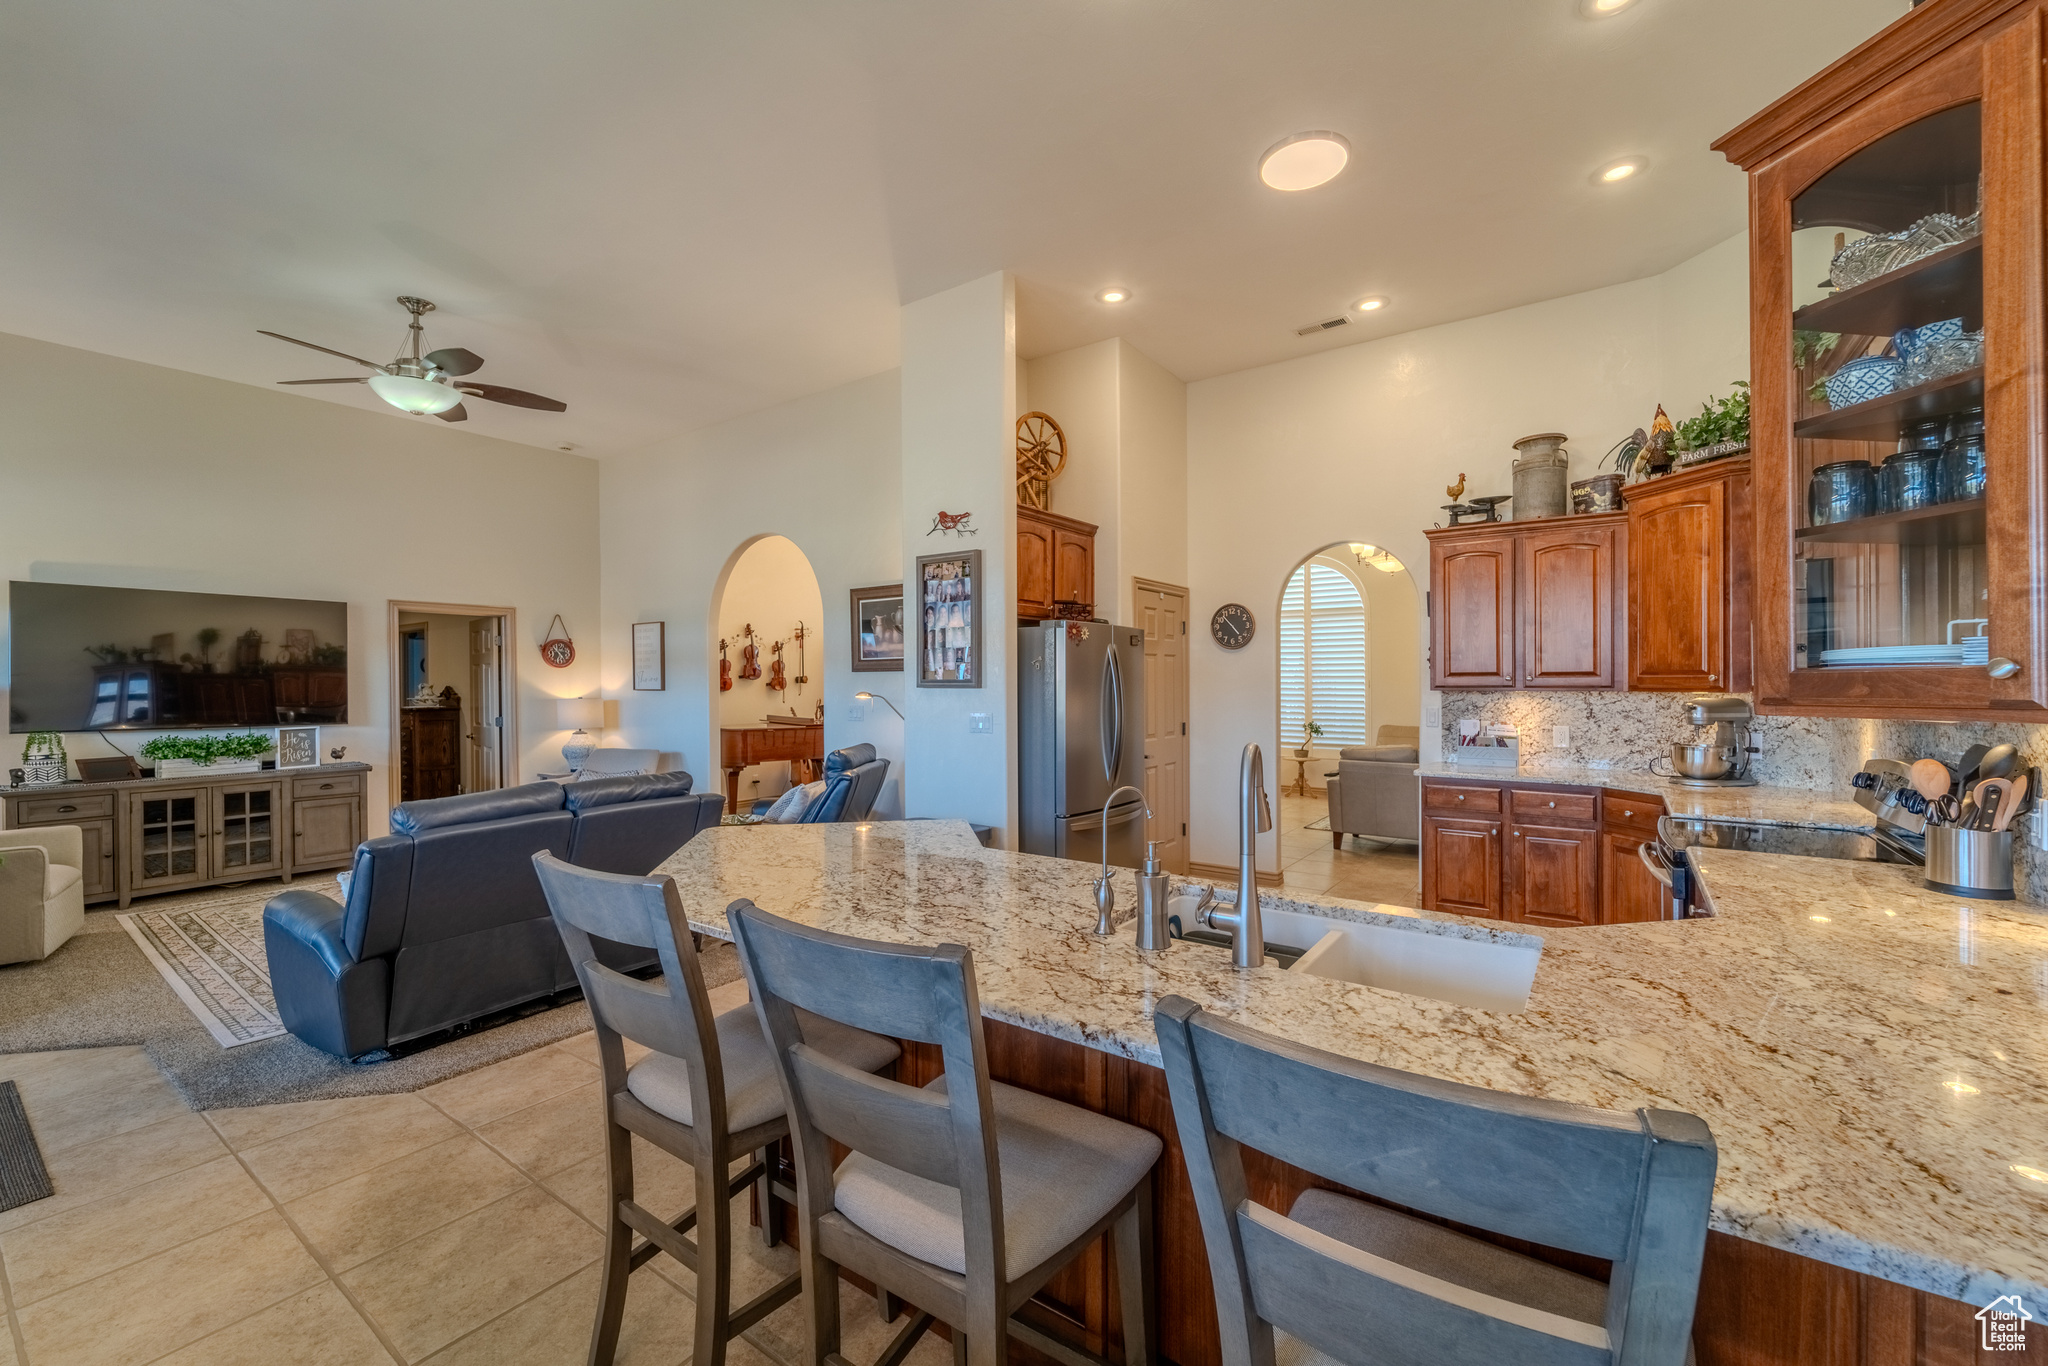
(1055, 563)
(1472, 608)
(1554, 856)
(1942, 112)
(1688, 581)
(248, 833)
(1527, 605)
(1461, 866)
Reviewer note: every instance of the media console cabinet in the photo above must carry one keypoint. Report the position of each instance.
(149, 835)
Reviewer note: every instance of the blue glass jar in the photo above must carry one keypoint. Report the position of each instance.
(1962, 460)
(1925, 436)
(1910, 480)
(1840, 492)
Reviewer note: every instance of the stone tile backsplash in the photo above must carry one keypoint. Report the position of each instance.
(1627, 730)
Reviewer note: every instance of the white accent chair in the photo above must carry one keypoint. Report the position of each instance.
(42, 890)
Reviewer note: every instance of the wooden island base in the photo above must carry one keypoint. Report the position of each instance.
(1758, 1306)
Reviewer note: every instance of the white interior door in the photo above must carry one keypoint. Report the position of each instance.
(1163, 613)
(483, 746)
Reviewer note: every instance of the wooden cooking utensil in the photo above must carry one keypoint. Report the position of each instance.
(1990, 794)
(1930, 778)
(2010, 805)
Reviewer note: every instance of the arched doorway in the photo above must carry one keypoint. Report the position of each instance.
(1350, 643)
(770, 589)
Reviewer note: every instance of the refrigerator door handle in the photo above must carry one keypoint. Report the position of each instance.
(1113, 708)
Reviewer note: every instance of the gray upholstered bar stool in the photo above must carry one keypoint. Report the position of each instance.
(1360, 1283)
(707, 1094)
(963, 1198)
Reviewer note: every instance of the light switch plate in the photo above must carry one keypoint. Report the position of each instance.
(1561, 737)
(857, 711)
(980, 722)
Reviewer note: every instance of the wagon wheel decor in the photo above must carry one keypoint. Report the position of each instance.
(1041, 455)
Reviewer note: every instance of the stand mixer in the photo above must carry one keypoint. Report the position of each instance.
(1722, 760)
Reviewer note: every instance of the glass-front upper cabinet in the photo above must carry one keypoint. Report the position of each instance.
(1896, 293)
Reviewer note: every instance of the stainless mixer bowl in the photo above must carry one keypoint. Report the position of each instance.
(1700, 761)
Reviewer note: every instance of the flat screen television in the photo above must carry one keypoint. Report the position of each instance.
(86, 658)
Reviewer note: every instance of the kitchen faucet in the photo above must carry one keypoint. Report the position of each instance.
(1105, 895)
(1254, 816)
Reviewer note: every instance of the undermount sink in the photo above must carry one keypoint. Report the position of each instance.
(1484, 974)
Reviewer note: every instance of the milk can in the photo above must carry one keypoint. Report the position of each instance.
(1540, 467)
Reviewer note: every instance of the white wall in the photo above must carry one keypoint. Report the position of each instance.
(1359, 444)
(1079, 390)
(114, 472)
(959, 455)
(772, 588)
(821, 471)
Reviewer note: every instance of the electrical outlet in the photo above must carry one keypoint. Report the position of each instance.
(980, 722)
(2037, 826)
(1560, 737)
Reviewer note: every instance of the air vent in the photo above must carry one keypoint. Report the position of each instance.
(1323, 326)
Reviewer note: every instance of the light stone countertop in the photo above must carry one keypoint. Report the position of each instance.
(1833, 1059)
(1758, 805)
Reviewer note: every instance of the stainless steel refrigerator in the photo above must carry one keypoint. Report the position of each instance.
(1081, 735)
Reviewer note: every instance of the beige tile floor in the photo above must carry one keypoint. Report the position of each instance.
(456, 1225)
(1362, 870)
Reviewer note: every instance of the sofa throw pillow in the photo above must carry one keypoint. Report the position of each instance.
(588, 775)
(803, 797)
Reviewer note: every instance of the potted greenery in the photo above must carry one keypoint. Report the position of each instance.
(42, 758)
(1721, 428)
(178, 756)
(1310, 733)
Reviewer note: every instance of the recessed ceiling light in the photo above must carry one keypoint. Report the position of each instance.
(1601, 9)
(1372, 304)
(1304, 161)
(1114, 296)
(1615, 171)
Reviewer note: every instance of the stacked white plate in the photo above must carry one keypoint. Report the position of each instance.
(1872, 655)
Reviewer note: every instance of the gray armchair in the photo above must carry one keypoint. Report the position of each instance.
(1374, 791)
(42, 890)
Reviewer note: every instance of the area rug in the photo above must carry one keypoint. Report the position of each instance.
(211, 955)
(1319, 823)
(23, 1178)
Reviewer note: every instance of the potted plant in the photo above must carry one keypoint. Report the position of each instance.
(178, 756)
(1720, 428)
(1310, 733)
(42, 758)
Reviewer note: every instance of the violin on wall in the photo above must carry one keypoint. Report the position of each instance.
(724, 666)
(750, 655)
(777, 680)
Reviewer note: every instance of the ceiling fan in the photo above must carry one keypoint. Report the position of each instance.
(429, 383)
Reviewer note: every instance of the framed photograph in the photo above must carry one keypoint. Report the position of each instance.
(949, 620)
(650, 656)
(298, 746)
(878, 629)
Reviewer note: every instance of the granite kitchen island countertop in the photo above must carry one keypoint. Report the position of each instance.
(1759, 805)
(1876, 1078)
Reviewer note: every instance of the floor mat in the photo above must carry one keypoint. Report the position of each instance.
(23, 1178)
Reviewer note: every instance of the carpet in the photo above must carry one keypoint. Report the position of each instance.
(100, 989)
(211, 956)
(23, 1178)
(1319, 823)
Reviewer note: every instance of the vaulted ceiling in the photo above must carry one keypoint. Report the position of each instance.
(669, 212)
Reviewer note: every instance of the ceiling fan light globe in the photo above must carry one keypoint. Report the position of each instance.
(414, 395)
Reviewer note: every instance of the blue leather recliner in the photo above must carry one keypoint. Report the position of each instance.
(445, 921)
(853, 779)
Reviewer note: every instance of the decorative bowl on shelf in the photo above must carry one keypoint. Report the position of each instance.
(1863, 379)
(1909, 342)
(1942, 357)
(1869, 257)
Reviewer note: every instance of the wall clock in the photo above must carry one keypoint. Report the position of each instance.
(1233, 626)
(558, 650)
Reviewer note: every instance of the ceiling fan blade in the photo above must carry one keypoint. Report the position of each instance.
(456, 360)
(352, 379)
(328, 349)
(518, 398)
(455, 414)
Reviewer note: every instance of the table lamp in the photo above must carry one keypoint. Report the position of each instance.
(574, 713)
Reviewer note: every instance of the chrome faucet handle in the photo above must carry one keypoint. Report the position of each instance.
(1105, 895)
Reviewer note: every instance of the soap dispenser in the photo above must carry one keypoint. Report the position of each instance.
(1152, 894)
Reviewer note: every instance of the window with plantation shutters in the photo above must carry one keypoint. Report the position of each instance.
(1322, 657)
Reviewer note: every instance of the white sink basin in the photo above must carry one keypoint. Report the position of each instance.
(1408, 957)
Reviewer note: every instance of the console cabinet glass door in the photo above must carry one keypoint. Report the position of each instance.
(246, 837)
(1898, 414)
(167, 832)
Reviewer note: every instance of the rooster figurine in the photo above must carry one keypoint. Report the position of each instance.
(1456, 490)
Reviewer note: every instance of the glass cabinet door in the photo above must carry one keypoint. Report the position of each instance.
(1889, 564)
(168, 832)
(245, 833)
(1898, 434)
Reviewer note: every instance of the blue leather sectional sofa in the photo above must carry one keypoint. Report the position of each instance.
(445, 921)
